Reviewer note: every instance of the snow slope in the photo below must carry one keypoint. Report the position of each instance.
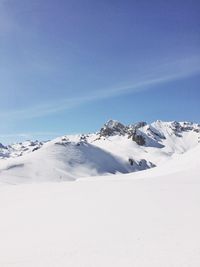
(144, 219)
(58, 161)
(116, 148)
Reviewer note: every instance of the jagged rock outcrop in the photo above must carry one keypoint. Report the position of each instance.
(148, 135)
(2, 146)
(137, 125)
(113, 127)
(138, 138)
(141, 164)
(135, 134)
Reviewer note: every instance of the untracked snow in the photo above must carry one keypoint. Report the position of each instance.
(144, 219)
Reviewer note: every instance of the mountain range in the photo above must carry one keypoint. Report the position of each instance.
(115, 148)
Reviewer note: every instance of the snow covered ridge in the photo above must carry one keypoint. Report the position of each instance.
(19, 149)
(115, 148)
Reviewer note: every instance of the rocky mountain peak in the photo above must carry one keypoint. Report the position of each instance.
(113, 127)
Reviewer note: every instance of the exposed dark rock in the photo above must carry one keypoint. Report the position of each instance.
(139, 139)
(35, 148)
(2, 146)
(146, 165)
(131, 161)
(156, 133)
(141, 164)
(138, 125)
(64, 138)
(83, 138)
(112, 128)
(63, 143)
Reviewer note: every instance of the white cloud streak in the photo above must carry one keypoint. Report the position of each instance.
(166, 73)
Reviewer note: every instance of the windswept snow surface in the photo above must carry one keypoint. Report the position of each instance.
(144, 219)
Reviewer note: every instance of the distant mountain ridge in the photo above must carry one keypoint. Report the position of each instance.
(115, 148)
(19, 149)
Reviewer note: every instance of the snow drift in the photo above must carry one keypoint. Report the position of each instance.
(144, 219)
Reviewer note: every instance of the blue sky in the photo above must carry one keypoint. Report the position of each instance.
(68, 66)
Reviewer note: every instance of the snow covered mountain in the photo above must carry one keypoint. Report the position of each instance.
(116, 148)
(147, 218)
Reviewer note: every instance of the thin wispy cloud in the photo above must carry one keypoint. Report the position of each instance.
(165, 74)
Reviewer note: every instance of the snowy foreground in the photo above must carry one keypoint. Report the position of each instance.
(150, 218)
